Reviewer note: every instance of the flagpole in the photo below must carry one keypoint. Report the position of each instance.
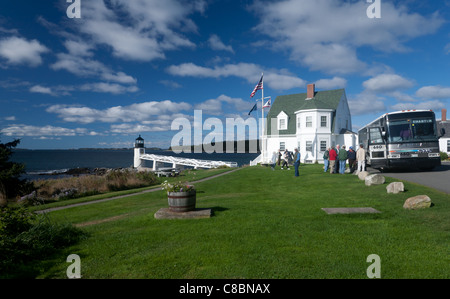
(262, 117)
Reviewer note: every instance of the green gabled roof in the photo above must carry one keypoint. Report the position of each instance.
(292, 103)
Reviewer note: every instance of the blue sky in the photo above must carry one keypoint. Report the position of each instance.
(130, 67)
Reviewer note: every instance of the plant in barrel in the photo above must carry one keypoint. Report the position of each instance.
(181, 196)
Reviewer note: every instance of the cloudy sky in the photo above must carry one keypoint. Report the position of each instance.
(130, 67)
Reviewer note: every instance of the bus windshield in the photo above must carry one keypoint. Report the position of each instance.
(419, 129)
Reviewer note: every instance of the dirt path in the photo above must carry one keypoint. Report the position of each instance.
(128, 195)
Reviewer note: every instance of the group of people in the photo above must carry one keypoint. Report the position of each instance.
(287, 157)
(335, 159)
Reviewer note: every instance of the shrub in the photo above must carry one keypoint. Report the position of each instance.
(25, 236)
(14, 220)
(444, 156)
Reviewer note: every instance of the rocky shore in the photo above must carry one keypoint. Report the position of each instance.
(85, 171)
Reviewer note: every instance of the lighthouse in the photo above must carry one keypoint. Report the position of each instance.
(139, 150)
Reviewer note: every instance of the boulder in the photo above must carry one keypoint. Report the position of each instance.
(374, 179)
(417, 202)
(395, 187)
(362, 175)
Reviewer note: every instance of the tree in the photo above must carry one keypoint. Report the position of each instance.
(10, 182)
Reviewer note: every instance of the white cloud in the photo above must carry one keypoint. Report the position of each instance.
(170, 84)
(78, 48)
(366, 102)
(135, 112)
(137, 128)
(151, 26)
(216, 44)
(41, 89)
(434, 92)
(276, 79)
(423, 105)
(386, 83)
(18, 50)
(325, 35)
(86, 67)
(222, 104)
(108, 88)
(36, 131)
(335, 82)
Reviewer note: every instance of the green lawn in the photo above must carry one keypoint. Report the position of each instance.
(266, 224)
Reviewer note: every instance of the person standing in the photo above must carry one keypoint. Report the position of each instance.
(332, 158)
(296, 161)
(361, 158)
(279, 157)
(336, 165)
(342, 160)
(351, 154)
(326, 161)
(286, 157)
(274, 160)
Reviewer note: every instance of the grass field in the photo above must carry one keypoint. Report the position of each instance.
(266, 224)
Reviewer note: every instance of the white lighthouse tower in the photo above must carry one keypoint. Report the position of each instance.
(139, 150)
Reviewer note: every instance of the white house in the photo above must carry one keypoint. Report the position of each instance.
(311, 121)
(444, 140)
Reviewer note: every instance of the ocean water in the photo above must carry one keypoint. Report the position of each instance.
(39, 162)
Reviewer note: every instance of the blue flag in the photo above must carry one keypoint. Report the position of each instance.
(253, 109)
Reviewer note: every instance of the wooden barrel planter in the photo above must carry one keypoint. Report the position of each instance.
(182, 201)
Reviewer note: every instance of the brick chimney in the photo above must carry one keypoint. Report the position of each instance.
(311, 90)
(444, 115)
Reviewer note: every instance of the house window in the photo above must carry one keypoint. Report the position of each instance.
(323, 145)
(282, 121)
(298, 123)
(282, 146)
(448, 145)
(323, 121)
(309, 146)
(309, 121)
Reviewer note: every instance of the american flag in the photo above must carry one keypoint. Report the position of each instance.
(258, 86)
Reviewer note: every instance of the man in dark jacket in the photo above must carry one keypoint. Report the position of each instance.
(351, 154)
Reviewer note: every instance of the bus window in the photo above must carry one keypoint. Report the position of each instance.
(423, 128)
(375, 136)
(399, 131)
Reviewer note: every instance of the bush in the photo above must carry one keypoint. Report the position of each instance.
(25, 236)
(444, 156)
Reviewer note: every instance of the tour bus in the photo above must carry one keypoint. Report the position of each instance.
(402, 139)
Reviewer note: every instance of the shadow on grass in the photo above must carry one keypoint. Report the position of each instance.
(217, 209)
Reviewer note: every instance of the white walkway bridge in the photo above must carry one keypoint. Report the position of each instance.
(175, 161)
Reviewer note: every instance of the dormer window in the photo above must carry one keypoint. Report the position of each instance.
(282, 120)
